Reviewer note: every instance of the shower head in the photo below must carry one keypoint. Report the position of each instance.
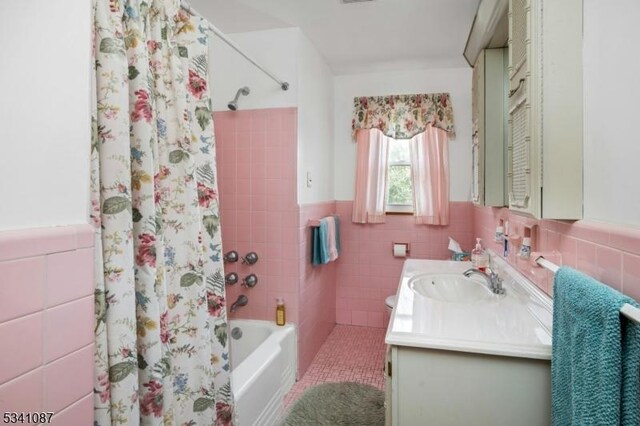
(233, 105)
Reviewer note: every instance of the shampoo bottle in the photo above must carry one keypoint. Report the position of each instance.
(280, 313)
(479, 257)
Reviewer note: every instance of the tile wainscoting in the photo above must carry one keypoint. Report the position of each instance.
(317, 290)
(607, 252)
(367, 272)
(46, 322)
(257, 155)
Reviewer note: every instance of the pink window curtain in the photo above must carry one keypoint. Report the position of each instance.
(430, 174)
(371, 176)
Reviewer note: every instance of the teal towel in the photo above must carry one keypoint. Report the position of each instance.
(595, 365)
(320, 244)
(337, 221)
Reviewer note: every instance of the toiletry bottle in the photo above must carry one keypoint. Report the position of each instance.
(525, 248)
(479, 256)
(505, 239)
(280, 313)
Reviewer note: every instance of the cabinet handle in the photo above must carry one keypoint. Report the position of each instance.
(513, 91)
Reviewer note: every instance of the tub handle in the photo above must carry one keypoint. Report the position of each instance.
(231, 278)
(231, 256)
(250, 258)
(250, 280)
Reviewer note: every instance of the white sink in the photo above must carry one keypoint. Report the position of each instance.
(454, 288)
(439, 308)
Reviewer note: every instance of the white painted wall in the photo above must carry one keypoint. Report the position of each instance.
(44, 112)
(276, 50)
(45, 104)
(315, 125)
(455, 81)
(611, 90)
(290, 55)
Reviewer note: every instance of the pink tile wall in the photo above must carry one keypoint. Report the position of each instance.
(256, 157)
(317, 290)
(609, 253)
(46, 322)
(367, 272)
(257, 171)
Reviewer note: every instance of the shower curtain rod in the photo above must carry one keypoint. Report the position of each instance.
(187, 8)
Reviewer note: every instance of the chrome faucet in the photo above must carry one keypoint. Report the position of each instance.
(493, 280)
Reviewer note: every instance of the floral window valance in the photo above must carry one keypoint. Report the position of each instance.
(403, 116)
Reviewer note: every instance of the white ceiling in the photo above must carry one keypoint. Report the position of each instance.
(361, 37)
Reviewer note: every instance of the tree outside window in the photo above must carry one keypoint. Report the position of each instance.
(399, 183)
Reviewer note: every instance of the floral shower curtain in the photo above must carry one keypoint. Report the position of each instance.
(161, 331)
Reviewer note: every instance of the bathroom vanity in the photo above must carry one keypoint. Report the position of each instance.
(458, 354)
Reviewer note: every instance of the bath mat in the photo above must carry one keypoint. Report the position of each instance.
(344, 403)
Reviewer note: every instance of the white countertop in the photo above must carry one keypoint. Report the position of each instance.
(517, 324)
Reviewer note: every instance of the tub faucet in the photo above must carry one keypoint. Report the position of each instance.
(493, 280)
(241, 301)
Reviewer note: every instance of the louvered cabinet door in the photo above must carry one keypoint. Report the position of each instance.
(544, 162)
(520, 179)
(519, 151)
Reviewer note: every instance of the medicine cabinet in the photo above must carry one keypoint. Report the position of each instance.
(545, 108)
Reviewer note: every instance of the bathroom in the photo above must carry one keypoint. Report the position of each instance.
(280, 161)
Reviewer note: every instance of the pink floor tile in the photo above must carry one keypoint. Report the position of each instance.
(350, 354)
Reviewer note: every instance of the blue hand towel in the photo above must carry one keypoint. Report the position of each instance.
(337, 221)
(320, 254)
(595, 366)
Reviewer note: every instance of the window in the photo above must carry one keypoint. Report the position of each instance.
(399, 197)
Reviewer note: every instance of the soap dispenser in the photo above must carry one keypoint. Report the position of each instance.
(479, 256)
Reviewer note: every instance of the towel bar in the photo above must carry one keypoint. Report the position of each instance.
(631, 312)
(316, 222)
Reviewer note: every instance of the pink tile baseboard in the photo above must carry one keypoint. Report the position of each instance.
(607, 252)
(46, 321)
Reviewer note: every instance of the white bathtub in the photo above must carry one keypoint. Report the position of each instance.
(263, 369)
